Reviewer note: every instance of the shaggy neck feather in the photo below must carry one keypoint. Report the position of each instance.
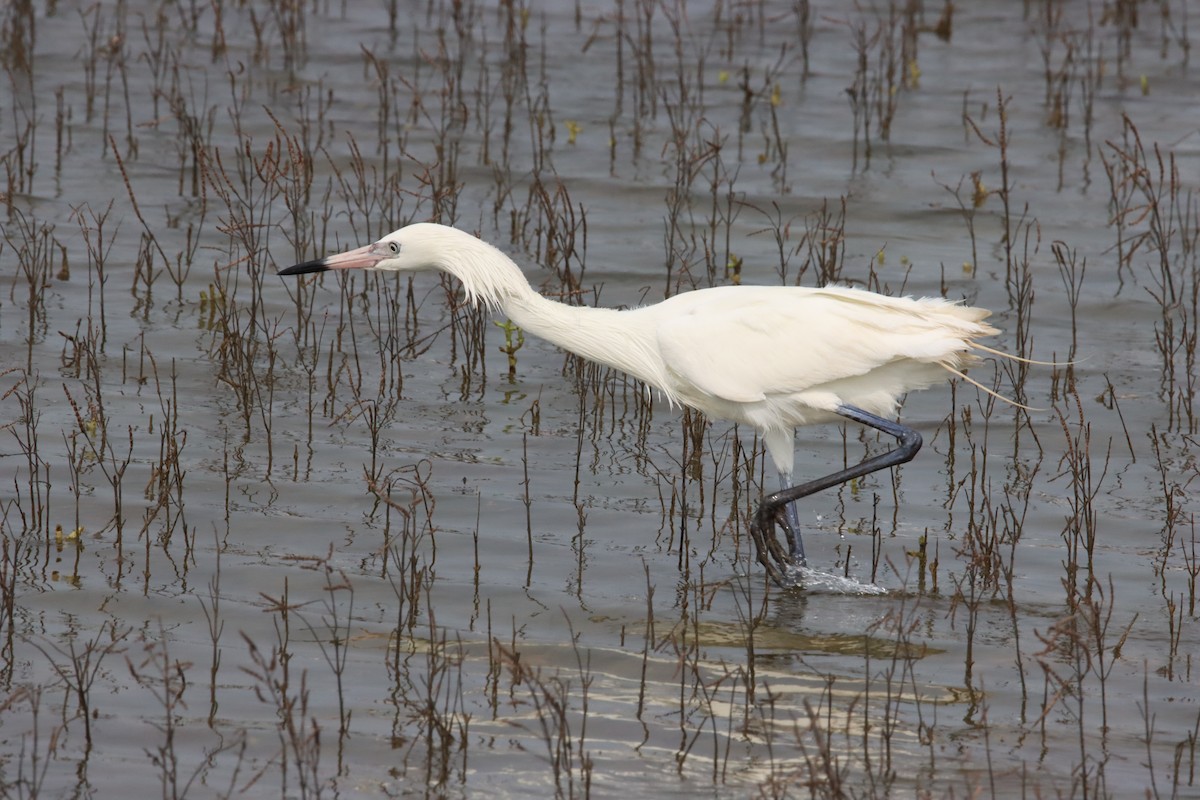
(621, 339)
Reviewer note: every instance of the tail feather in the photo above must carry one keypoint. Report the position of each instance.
(980, 386)
(1011, 357)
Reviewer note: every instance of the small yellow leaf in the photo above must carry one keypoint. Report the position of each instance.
(981, 192)
(573, 129)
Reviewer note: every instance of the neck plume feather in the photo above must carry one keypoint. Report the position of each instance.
(607, 336)
(488, 276)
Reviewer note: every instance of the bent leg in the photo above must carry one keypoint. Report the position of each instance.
(779, 508)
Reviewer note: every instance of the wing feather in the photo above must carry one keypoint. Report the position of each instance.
(742, 344)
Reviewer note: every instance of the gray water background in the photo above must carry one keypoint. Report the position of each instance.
(652, 147)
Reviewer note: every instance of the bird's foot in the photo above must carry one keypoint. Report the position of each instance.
(778, 560)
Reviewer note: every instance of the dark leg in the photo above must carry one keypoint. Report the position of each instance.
(774, 507)
(795, 540)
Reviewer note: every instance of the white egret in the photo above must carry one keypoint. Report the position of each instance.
(774, 357)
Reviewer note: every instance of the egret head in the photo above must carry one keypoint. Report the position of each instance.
(414, 248)
(487, 275)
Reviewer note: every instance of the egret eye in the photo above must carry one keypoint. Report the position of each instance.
(394, 248)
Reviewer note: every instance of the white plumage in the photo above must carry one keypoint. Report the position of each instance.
(772, 357)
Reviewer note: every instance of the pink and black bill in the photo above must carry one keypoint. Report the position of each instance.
(361, 258)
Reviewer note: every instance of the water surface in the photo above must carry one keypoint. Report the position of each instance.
(311, 537)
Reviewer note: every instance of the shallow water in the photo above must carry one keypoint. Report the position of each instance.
(315, 539)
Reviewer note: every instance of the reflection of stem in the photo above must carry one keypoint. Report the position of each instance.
(510, 349)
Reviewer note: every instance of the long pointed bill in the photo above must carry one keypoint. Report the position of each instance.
(361, 258)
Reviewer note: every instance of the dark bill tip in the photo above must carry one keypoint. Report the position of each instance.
(317, 265)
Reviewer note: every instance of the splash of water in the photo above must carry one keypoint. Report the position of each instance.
(826, 582)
